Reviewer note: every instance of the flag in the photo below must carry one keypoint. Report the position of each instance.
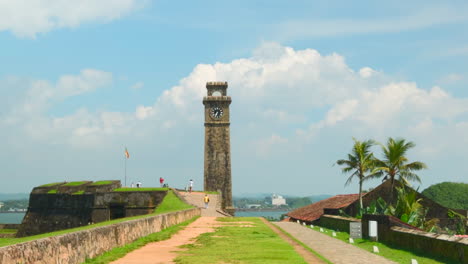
(126, 154)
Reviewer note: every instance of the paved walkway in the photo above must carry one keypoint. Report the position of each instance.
(330, 248)
(196, 199)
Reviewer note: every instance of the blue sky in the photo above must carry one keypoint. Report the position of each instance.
(81, 80)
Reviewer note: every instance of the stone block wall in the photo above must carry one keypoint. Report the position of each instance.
(75, 247)
(451, 247)
(394, 232)
(9, 226)
(337, 223)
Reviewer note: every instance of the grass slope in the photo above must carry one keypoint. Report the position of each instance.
(389, 252)
(238, 243)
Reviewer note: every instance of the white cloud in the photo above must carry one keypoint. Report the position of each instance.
(366, 72)
(297, 106)
(26, 18)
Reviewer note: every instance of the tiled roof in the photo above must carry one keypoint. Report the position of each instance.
(313, 211)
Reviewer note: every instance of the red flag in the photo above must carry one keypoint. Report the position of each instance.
(126, 154)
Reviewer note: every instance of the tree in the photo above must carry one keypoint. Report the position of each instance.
(360, 162)
(395, 163)
(449, 194)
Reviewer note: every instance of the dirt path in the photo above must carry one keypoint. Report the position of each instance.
(166, 251)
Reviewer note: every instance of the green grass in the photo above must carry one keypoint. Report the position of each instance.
(78, 193)
(52, 191)
(8, 231)
(396, 254)
(51, 184)
(101, 183)
(76, 183)
(170, 203)
(119, 252)
(235, 243)
(150, 189)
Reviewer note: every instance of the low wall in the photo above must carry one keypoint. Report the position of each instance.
(337, 223)
(393, 232)
(77, 246)
(9, 226)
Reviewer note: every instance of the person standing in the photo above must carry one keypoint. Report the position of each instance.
(206, 200)
(161, 181)
(190, 185)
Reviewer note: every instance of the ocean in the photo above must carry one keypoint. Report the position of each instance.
(11, 218)
(274, 214)
(16, 218)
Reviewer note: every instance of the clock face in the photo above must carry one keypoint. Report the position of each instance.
(216, 112)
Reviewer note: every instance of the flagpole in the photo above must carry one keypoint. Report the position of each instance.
(125, 171)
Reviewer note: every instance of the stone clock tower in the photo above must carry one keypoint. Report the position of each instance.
(217, 176)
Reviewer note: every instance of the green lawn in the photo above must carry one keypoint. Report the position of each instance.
(119, 252)
(170, 203)
(393, 253)
(75, 183)
(101, 183)
(237, 243)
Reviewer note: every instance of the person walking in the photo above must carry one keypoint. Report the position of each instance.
(161, 181)
(206, 200)
(190, 186)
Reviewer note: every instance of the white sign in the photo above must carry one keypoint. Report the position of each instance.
(312, 226)
(375, 249)
(351, 240)
(373, 229)
(413, 261)
(321, 229)
(334, 234)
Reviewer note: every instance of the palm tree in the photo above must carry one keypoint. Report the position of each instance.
(395, 163)
(360, 161)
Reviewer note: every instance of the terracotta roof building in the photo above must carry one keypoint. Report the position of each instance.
(312, 212)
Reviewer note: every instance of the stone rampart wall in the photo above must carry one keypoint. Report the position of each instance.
(392, 231)
(337, 223)
(77, 246)
(9, 226)
(454, 248)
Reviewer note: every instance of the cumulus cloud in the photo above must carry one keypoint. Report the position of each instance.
(26, 18)
(299, 105)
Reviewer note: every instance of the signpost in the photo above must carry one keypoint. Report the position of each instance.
(355, 230)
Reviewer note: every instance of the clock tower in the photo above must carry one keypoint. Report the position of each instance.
(217, 175)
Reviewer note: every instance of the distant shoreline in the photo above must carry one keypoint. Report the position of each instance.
(12, 212)
(261, 210)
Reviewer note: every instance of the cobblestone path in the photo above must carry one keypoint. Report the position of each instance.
(336, 251)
